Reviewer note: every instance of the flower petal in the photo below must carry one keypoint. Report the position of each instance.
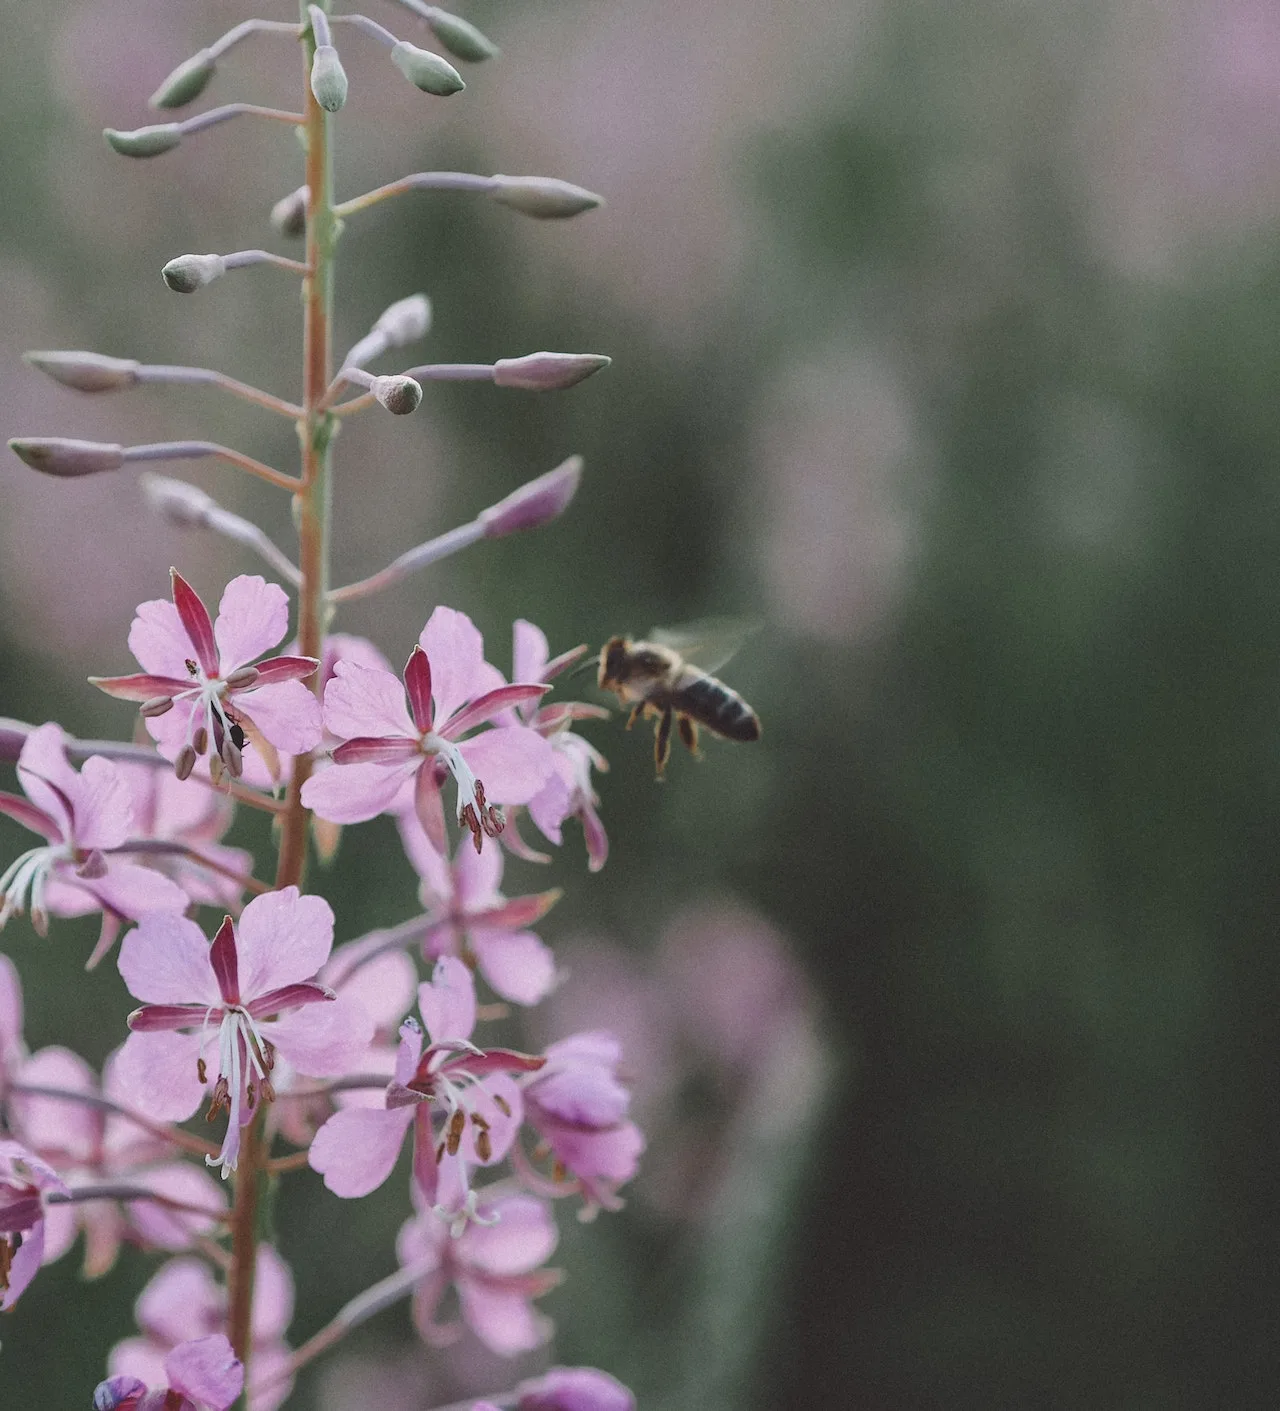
(357, 1148)
(362, 700)
(377, 749)
(322, 1040)
(291, 668)
(135, 891)
(524, 1236)
(352, 793)
(139, 687)
(283, 938)
(517, 965)
(66, 1132)
(448, 1001)
(155, 1074)
(417, 685)
(529, 651)
(194, 617)
(253, 617)
(286, 712)
(490, 704)
(206, 1370)
(159, 641)
(165, 960)
(512, 763)
(47, 777)
(456, 651)
(502, 1319)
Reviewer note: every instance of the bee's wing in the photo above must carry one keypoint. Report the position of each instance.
(708, 643)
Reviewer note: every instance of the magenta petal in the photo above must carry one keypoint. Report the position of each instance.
(456, 651)
(356, 1148)
(513, 763)
(206, 1370)
(153, 1018)
(352, 793)
(428, 809)
(178, 1303)
(253, 617)
(490, 704)
(155, 1074)
(323, 1040)
(140, 686)
(417, 684)
(448, 1001)
(159, 641)
(284, 938)
(289, 997)
(363, 700)
(165, 960)
(30, 817)
(517, 965)
(226, 968)
(276, 669)
(377, 749)
(194, 617)
(286, 712)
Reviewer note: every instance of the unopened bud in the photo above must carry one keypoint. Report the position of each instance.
(547, 372)
(86, 372)
(188, 273)
(157, 705)
(543, 197)
(185, 505)
(426, 70)
(144, 141)
(289, 214)
(405, 321)
(400, 395)
(186, 83)
(536, 503)
(59, 455)
(464, 41)
(328, 78)
(185, 762)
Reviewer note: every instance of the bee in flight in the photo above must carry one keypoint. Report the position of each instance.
(658, 677)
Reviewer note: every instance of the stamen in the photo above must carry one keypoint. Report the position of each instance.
(502, 1104)
(453, 1133)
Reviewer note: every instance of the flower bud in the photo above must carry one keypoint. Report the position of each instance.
(543, 197)
(186, 506)
(186, 83)
(426, 70)
(289, 214)
(59, 455)
(405, 321)
(574, 1389)
(400, 395)
(144, 141)
(464, 41)
(328, 78)
(86, 372)
(188, 273)
(534, 504)
(120, 1393)
(547, 372)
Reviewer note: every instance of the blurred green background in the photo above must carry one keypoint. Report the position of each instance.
(946, 342)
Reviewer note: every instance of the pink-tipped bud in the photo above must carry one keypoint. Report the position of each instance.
(144, 141)
(574, 1389)
(328, 78)
(400, 395)
(536, 503)
(405, 321)
(157, 705)
(188, 273)
(184, 505)
(289, 214)
(85, 372)
(543, 197)
(426, 70)
(464, 41)
(186, 83)
(59, 455)
(547, 372)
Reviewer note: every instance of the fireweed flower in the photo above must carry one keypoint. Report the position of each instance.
(248, 994)
(84, 819)
(24, 1181)
(493, 1265)
(199, 687)
(201, 1375)
(478, 1100)
(574, 1389)
(183, 1302)
(451, 689)
(471, 918)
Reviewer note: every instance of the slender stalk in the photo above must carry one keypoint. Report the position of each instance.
(198, 450)
(418, 181)
(166, 1133)
(210, 376)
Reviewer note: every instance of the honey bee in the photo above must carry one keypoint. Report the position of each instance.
(656, 677)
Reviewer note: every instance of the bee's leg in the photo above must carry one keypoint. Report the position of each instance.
(637, 711)
(662, 742)
(689, 734)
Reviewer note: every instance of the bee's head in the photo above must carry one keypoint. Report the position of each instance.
(613, 660)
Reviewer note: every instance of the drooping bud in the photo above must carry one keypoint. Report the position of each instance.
(534, 504)
(400, 395)
(289, 214)
(543, 197)
(60, 455)
(405, 321)
(188, 273)
(426, 70)
(144, 141)
(328, 78)
(186, 83)
(186, 506)
(547, 372)
(464, 41)
(86, 372)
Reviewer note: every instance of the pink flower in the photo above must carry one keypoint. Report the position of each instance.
(201, 1375)
(493, 1265)
(471, 918)
(579, 1108)
(574, 1389)
(85, 819)
(253, 989)
(24, 1182)
(479, 1102)
(451, 689)
(197, 683)
(12, 1048)
(182, 1302)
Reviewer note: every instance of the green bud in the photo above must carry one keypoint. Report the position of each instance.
(86, 372)
(144, 141)
(543, 197)
(60, 455)
(188, 273)
(464, 41)
(186, 83)
(328, 78)
(426, 70)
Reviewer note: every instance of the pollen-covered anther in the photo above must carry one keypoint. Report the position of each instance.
(202, 1071)
(453, 1133)
(502, 1104)
(266, 1088)
(200, 740)
(157, 705)
(221, 1099)
(185, 762)
(242, 678)
(484, 1145)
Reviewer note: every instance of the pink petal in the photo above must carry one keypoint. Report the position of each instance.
(135, 891)
(165, 960)
(180, 1301)
(63, 1131)
(272, 1296)
(428, 808)
(497, 1099)
(417, 684)
(529, 651)
(61, 1226)
(357, 1148)
(140, 686)
(10, 1013)
(477, 876)
(448, 1002)
(138, 1357)
(175, 1229)
(253, 617)
(155, 1075)
(270, 1383)
(491, 703)
(153, 1018)
(322, 1040)
(293, 668)
(504, 1321)
(384, 988)
(25, 1266)
(287, 714)
(283, 938)
(11, 806)
(159, 641)
(287, 997)
(194, 617)
(103, 805)
(517, 965)
(207, 1371)
(524, 1237)
(456, 651)
(377, 749)
(363, 700)
(46, 776)
(437, 878)
(512, 763)
(352, 793)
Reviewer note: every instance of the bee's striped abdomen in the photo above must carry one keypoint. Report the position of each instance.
(713, 704)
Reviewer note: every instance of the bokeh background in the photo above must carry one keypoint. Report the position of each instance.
(947, 341)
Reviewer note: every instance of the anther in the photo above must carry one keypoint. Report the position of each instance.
(484, 1147)
(185, 762)
(242, 678)
(502, 1105)
(453, 1133)
(192, 668)
(221, 1098)
(157, 705)
(200, 740)
(202, 1071)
